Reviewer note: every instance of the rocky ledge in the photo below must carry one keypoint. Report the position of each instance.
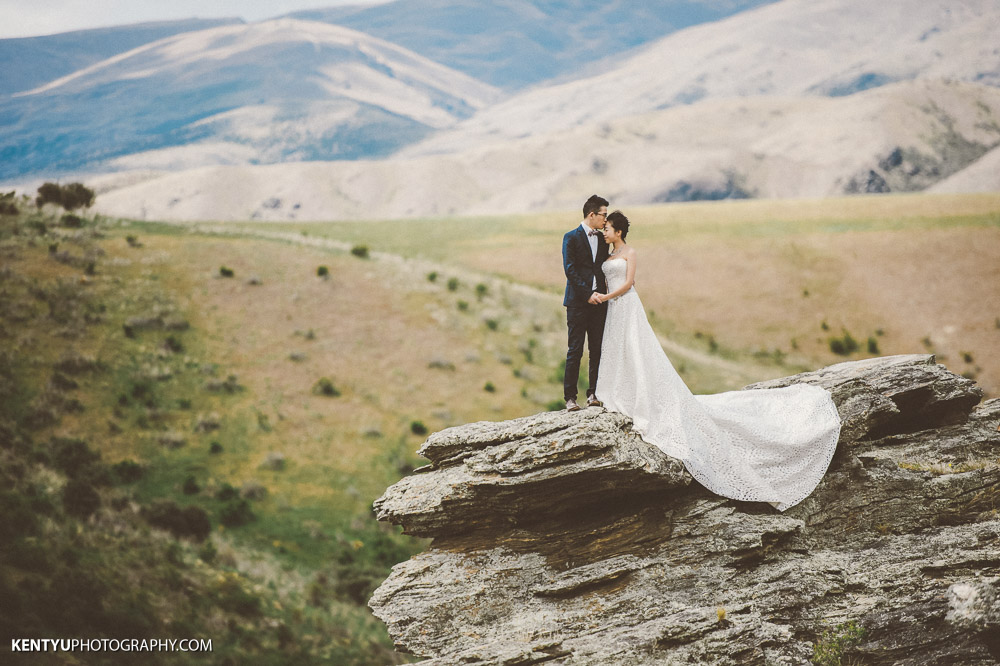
(564, 538)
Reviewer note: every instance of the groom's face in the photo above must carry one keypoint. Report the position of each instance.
(596, 220)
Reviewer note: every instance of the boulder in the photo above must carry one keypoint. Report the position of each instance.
(565, 538)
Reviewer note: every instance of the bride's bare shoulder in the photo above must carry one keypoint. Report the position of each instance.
(630, 252)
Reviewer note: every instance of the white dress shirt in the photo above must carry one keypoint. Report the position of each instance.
(593, 247)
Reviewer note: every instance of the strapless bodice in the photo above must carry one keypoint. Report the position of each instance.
(615, 271)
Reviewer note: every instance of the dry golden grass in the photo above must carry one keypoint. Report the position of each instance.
(374, 330)
(765, 275)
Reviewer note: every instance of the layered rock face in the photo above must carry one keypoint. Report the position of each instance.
(564, 538)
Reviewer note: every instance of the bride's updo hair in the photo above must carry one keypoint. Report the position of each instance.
(618, 220)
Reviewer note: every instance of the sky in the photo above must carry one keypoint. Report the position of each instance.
(26, 18)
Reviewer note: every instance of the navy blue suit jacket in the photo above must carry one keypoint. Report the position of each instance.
(581, 268)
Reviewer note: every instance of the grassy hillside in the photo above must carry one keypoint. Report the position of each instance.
(215, 415)
(759, 280)
(163, 476)
(195, 420)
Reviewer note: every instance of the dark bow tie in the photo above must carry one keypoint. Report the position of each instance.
(594, 232)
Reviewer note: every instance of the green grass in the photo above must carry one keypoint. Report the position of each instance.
(444, 239)
(264, 566)
(401, 349)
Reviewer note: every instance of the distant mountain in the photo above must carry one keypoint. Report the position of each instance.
(281, 90)
(900, 137)
(983, 175)
(793, 47)
(516, 43)
(29, 62)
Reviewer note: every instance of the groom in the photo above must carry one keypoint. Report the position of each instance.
(584, 251)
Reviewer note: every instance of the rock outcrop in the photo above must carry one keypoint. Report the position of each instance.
(564, 538)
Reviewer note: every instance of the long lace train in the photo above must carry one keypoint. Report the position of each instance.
(770, 445)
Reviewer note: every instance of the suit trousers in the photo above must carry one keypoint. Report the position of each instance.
(583, 322)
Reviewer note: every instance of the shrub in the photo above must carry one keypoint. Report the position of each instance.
(226, 272)
(360, 251)
(830, 648)
(492, 324)
(234, 597)
(75, 459)
(275, 461)
(452, 284)
(61, 382)
(432, 276)
(7, 206)
(236, 512)
(19, 517)
(191, 486)
(49, 193)
(358, 584)
(481, 290)
(70, 197)
(215, 448)
(363, 565)
(190, 521)
(80, 499)
(285, 636)
(226, 492)
(325, 387)
(490, 388)
(872, 345)
(173, 345)
(844, 346)
(418, 428)
(208, 552)
(72, 221)
(323, 272)
(229, 385)
(76, 195)
(29, 555)
(127, 471)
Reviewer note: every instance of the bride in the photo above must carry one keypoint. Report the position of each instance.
(769, 445)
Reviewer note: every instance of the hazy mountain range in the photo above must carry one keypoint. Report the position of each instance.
(29, 62)
(391, 110)
(714, 149)
(792, 48)
(275, 91)
(516, 43)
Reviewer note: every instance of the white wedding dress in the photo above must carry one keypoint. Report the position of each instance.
(768, 445)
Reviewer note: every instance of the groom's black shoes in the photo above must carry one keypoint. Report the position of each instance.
(592, 401)
(572, 406)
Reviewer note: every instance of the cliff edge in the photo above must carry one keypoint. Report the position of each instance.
(564, 538)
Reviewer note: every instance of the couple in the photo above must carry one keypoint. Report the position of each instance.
(769, 445)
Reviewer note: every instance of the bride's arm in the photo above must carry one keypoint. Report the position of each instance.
(630, 261)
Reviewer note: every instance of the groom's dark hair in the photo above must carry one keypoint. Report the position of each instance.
(593, 205)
